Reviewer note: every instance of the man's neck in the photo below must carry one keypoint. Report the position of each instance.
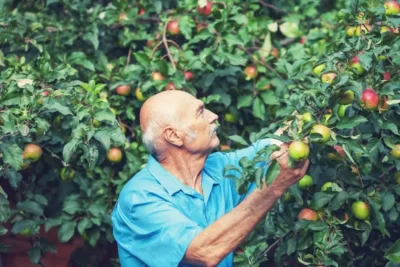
(186, 167)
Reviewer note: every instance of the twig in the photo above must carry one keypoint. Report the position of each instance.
(165, 41)
(271, 6)
(390, 169)
(175, 44)
(220, 3)
(149, 20)
(264, 254)
(155, 48)
(359, 176)
(128, 60)
(287, 41)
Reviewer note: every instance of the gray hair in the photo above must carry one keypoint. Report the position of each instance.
(152, 135)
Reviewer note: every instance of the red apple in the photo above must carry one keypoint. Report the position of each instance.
(355, 63)
(206, 10)
(188, 75)
(387, 76)
(170, 86)
(157, 76)
(123, 90)
(328, 77)
(251, 72)
(308, 214)
(303, 40)
(173, 27)
(369, 99)
(201, 26)
(392, 7)
(141, 11)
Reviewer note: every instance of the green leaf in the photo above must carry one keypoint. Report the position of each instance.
(66, 231)
(83, 225)
(387, 200)
(379, 218)
(30, 207)
(105, 115)
(97, 209)
(14, 177)
(70, 148)
(269, 98)
(290, 29)
(3, 231)
(186, 24)
(52, 222)
(366, 60)
(103, 138)
(348, 123)
(238, 139)
(393, 253)
(143, 59)
(35, 254)
(58, 107)
(93, 236)
(320, 200)
(390, 126)
(12, 155)
(258, 108)
(272, 172)
(338, 201)
(266, 48)
(72, 205)
(4, 209)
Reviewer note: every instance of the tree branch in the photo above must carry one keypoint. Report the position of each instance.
(271, 6)
(165, 41)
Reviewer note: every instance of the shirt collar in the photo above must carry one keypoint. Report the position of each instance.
(170, 182)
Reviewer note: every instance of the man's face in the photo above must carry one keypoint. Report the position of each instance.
(202, 123)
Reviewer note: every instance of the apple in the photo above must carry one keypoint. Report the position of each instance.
(350, 31)
(307, 117)
(329, 186)
(114, 155)
(122, 17)
(173, 27)
(139, 95)
(346, 98)
(67, 174)
(201, 26)
(188, 75)
(275, 52)
(44, 94)
(157, 76)
(303, 40)
(339, 156)
(318, 69)
(206, 10)
(397, 177)
(298, 150)
(360, 210)
(328, 77)
(123, 90)
(251, 72)
(391, 7)
(141, 11)
(355, 63)
(396, 152)
(230, 117)
(365, 28)
(287, 197)
(322, 130)
(170, 86)
(305, 182)
(149, 43)
(342, 111)
(386, 29)
(308, 214)
(369, 99)
(32, 152)
(387, 76)
(383, 105)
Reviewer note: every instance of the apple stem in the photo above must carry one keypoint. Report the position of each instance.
(128, 59)
(271, 6)
(165, 41)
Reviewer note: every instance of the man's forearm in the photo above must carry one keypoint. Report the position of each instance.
(224, 235)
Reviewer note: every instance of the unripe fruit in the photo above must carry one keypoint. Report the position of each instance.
(355, 63)
(67, 174)
(170, 86)
(322, 130)
(157, 76)
(360, 210)
(369, 99)
(139, 95)
(396, 152)
(328, 77)
(287, 197)
(251, 72)
(123, 90)
(206, 10)
(232, 118)
(391, 7)
(351, 31)
(114, 155)
(308, 214)
(188, 76)
(318, 69)
(32, 152)
(346, 98)
(365, 28)
(298, 150)
(342, 111)
(306, 182)
(173, 27)
(328, 186)
(306, 117)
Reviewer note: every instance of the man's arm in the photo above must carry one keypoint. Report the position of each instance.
(213, 244)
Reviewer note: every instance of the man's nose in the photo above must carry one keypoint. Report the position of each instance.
(213, 117)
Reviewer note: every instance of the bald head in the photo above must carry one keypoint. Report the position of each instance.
(166, 108)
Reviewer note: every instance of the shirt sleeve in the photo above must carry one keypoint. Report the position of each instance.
(153, 230)
(233, 158)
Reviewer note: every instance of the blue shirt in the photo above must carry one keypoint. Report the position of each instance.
(156, 216)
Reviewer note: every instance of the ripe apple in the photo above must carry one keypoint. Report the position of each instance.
(173, 27)
(188, 75)
(206, 10)
(306, 117)
(139, 95)
(351, 31)
(298, 150)
(383, 105)
(230, 117)
(141, 11)
(397, 177)
(355, 63)
(369, 99)
(391, 7)
(328, 77)
(275, 52)
(157, 76)
(306, 182)
(318, 69)
(346, 98)
(251, 72)
(170, 86)
(322, 130)
(339, 156)
(114, 155)
(32, 152)
(123, 90)
(308, 214)
(360, 210)
(386, 29)
(387, 76)
(396, 152)
(329, 186)
(67, 174)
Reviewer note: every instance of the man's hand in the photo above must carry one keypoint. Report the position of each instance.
(287, 176)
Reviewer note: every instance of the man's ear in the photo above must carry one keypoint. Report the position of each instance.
(172, 136)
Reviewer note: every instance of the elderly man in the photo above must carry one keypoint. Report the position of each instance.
(180, 210)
